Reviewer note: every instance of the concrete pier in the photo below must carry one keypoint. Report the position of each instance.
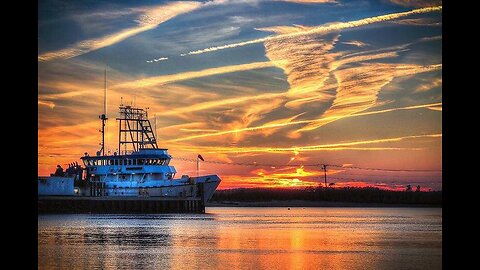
(124, 205)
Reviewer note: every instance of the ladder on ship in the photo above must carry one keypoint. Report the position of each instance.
(135, 130)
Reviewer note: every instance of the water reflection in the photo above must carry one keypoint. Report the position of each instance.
(245, 238)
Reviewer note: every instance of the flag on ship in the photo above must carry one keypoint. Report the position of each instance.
(200, 157)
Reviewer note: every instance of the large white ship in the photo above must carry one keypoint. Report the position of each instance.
(140, 169)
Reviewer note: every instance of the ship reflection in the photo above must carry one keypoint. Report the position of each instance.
(245, 238)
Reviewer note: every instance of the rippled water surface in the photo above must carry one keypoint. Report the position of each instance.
(245, 238)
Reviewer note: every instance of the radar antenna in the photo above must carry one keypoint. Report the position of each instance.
(103, 117)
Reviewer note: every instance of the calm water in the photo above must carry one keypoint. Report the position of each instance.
(245, 238)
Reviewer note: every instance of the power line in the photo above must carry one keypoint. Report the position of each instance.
(388, 182)
(384, 175)
(381, 169)
(255, 164)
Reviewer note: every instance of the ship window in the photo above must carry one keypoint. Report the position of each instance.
(116, 161)
(129, 162)
(167, 161)
(111, 161)
(141, 161)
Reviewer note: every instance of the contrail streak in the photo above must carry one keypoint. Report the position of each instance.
(323, 29)
(165, 79)
(322, 147)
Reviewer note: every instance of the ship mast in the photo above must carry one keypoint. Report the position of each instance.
(103, 117)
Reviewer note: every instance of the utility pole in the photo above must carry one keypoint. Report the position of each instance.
(324, 168)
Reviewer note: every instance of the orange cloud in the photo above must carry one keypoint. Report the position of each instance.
(46, 103)
(288, 122)
(295, 177)
(436, 108)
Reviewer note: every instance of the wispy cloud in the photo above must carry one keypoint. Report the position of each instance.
(305, 60)
(150, 18)
(356, 43)
(359, 87)
(432, 83)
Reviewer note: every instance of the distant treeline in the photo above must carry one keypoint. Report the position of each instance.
(349, 194)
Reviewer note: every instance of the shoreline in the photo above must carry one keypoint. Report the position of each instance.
(302, 203)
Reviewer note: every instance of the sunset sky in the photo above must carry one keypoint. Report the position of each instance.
(280, 82)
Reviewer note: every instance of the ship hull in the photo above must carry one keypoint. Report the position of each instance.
(187, 195)
(118, 205)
